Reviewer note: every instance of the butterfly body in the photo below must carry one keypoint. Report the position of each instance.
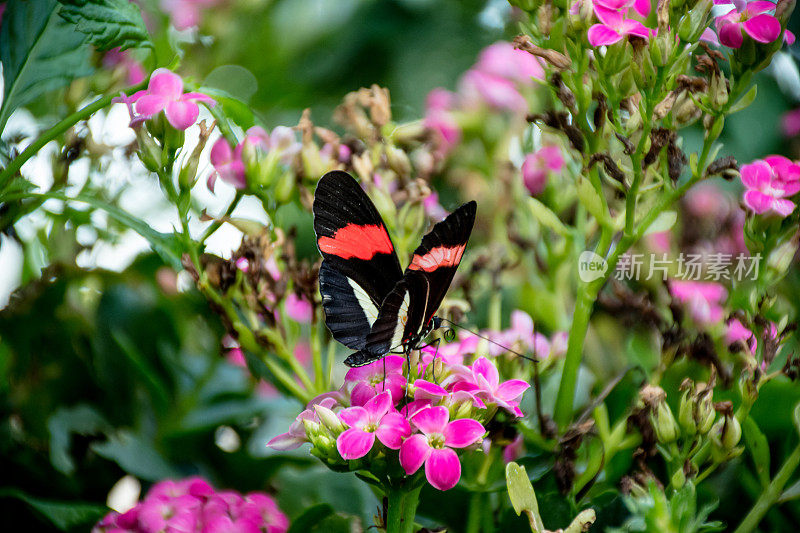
(370, 304)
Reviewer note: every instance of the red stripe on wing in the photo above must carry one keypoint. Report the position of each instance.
(361, 242)
(441, 256)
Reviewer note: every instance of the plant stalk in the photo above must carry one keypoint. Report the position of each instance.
(402, 509)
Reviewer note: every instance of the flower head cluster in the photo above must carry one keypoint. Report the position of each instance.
(165, 93)
(769, 183)
(379, 418)
(494, 81)
(703, 298)
(193, 505)
(755, 19)
(231, 164)
(538, 166)
(614, 22)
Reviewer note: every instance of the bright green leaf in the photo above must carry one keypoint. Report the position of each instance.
(107, 24)
(591, 200)
(546, 217)
(744, 101)
(40, 51)
(663, 222)
(522, 495)
(759, 449)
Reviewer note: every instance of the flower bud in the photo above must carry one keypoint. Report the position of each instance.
(664, 423)
(398, 161)
(705, 413)
(285, 187)
(149, 152)
(727, 432)
(678, 478)
(329, 420)
(780, 259)
(686, 412)
(694, 22)
(718, 90)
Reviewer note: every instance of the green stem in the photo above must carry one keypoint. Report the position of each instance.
(476, 501)
(402, 509)
(62, 126)
(771, 494)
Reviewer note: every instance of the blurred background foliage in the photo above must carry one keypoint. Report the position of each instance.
(147, 389)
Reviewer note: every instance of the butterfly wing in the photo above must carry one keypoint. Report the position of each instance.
(415, 298)
(438, 256)
(359, 267)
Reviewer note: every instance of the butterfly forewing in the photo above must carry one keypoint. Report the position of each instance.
(359, 265)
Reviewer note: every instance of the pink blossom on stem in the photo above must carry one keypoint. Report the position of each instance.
(768, 183)
(369, 380)
(134, 71)
(485, 384)
(497, 92)
(434, 446)
(298, 308)
(296, 435)
(501, 59)
(613, 27)
(703, 298)
(537, 167)
(753, 18)
(377, 418)
(165, 93)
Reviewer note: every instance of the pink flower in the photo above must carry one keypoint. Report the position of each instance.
(432, 206)
(439, 120)
(751, 19)
(538, 166)
(613, 27)
(514, 451)
(768, 183)
(736, 333)
(790, 123)
(229, 163)
(296, 436)
(478, 86)
(122, 58)
(165, 93)
(369, 380)
(642, 7)
(709, 37)
(706, 200)
(377, 418)
(177, 513)
(703, 298)
(434, 447)
(186, 13)
(485, 384)
(298, 308)
(501, 59)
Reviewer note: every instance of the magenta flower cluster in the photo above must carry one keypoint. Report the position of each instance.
(754, 19)
(192, 504)
(495, 81)
(379, 415)
(230, 164)
(769, 183)
(616, 21)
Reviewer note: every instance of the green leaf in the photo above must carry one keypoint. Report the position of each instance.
(310, 518)
(546, 217)
(63, 515)
(663, 222)
(759, 449)
(591, 200)
(136, 456)
(40, 51)
(231, 107)
(107, 24)
(744, 101)
(522, 496)
(81, 419)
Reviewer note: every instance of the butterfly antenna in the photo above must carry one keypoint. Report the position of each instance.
(532, 359)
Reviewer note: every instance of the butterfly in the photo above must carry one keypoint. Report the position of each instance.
(370, 304)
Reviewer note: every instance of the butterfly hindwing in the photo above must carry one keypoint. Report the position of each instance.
(440, 252)
(349, 310)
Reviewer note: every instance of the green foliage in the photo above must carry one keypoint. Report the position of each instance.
(66, 516)
(107, 24)
(40, 51)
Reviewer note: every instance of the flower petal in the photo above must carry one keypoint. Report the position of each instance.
(763, 28)
(182, 114)
(758, 201)
(756, 175)
(634, 27)
(425, 390)
(166, 84)
(710, 37)
(354, 443)
(602, 35)
(463, 432)
(511, 389)
(286, 441)
(393, 429)
(362, 393)
(730, 35)
(759, 6)
(783, 207)
(486, 369)
(413, 452)
(431, 420)
(221, 153)
(378, 406)
(150, 104)
(643, 7)
(199, 97)
(355, 417)
(443, 469)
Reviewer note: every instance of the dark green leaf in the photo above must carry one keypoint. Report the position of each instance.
(759, 449)
(63, 515)
(81, 419)
(40, 51)
(311, 517)
(136, 456)
(107, 24)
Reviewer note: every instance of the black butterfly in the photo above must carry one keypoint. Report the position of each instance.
(370, 304)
